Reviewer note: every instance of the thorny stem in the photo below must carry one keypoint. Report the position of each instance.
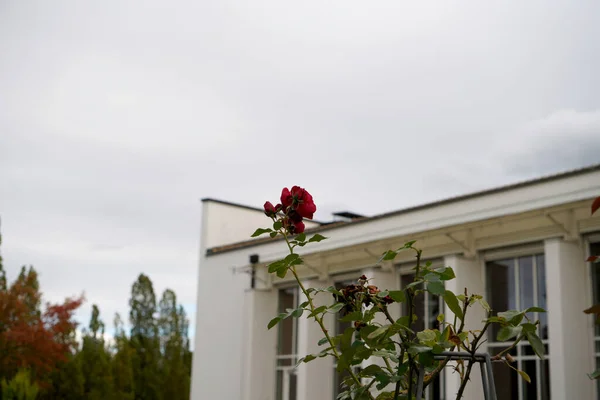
(471, 361)
(409, 296)
(317, 318)
(443, 364)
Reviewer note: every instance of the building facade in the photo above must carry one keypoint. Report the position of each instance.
(519, 246)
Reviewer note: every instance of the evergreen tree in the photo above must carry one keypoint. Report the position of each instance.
(67, 381)
(122, 367)
(173, 333)
(144, 340)
(20, 387)
(95, 360)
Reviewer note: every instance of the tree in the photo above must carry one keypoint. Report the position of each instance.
(144, 340)
(67, 380)
(174, 346)
(29, 338)
(95, 360)
(122, 367)
(20, 387)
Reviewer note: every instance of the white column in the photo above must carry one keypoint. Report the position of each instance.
(315, 379)
(469, 274)
(571, 350)
(259, 345)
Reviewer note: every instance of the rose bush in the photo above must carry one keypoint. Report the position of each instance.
(391, 354)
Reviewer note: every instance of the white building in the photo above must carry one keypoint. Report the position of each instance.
(519, 245)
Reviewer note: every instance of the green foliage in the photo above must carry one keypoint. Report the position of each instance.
(20, 387)
(95, 361)
(153, 362)
(402, 351)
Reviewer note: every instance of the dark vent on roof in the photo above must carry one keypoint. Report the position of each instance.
(346, 216)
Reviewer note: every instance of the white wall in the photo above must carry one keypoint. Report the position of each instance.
(571, 347)
(217, 362)
(226, 224)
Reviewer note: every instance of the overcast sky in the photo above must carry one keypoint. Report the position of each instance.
(116, 117)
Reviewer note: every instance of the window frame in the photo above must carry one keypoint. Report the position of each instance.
(589, 240)
(513, 253)
(287, 371)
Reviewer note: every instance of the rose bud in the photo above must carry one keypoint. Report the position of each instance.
(270, 209)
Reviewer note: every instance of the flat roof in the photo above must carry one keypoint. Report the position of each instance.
(323, 227)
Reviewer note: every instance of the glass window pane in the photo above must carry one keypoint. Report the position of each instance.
(595, 267)
(529, 390)
(505, 379)
(542, 295)
(501, 288)
(525, 283)
(286, 327)
(293, 385)
(279, 385)
(419, 305)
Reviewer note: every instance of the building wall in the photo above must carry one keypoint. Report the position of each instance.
(234, 349)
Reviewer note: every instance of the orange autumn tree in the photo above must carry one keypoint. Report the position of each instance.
(32, 339)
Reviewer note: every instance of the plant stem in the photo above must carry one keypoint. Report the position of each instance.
(409, 296)
(317, 318)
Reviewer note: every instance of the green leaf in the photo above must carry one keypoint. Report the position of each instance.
(378, 332)
(426, 358)
(333, 290)
(508, 332)
(297, 313)
(317, 311)
(388, 255)
(512, 316)
(306, 359)
(397, 295)
(445, 273)
(528, 327)
(436, 288)
(353, 316)
(277, 225)
(322, 341)
(418, 348)
(273, 234)
(301, 237)
(261, 231)
(426, 336)
(275, 265)
(282, 272)
(371, 370)
(290, 258)
(534, 309)
(273, 322)
(452, 304)
(524, 376)
(335, 308)
(485, 305)
(317, 238)
(595, 374)
(536, 344)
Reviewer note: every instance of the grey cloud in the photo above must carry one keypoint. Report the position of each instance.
(116, 119)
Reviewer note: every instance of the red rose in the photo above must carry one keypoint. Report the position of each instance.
(286, 198)
(299, 227)
(299, 200)
(270, 209)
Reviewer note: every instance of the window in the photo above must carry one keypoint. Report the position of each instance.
(287, 347)
(519, 283)
(427, 309)
(595, 269)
